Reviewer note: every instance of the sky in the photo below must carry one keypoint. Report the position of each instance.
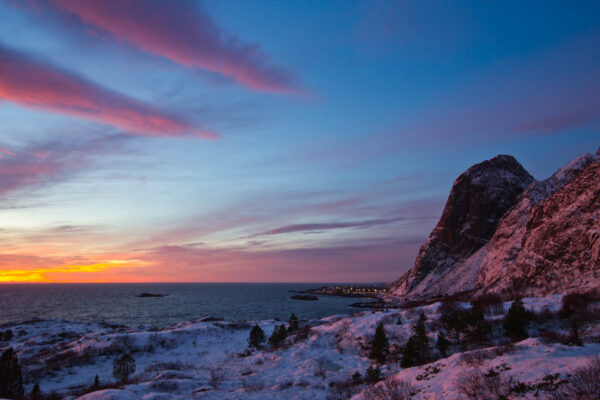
(270, 141)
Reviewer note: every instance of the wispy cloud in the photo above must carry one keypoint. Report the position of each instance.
(180, 31)
(49, 162)
(317, 227)
(36, 84)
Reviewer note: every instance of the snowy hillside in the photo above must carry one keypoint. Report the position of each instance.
(212, 360)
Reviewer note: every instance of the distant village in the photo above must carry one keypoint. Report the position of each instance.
(352, 290)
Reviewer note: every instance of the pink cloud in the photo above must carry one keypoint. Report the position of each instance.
(35, 84)
(48, 162)
(327, 226)
(182, 32)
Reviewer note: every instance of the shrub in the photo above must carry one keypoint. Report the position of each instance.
(373, 375)
(442, 344)
(575, 304)
(6, 336)
(123, 367)
(517, 320)
(252, 384)
(491, 303)
(257, 337)
(390, 388)
(36, 393)
(293, 323)
(278, 336)
(320, 370)
(342, 390)
(474, 385)
(380, 346)
(583, 383)
(216, 378)
(11, 378)
(357, 378)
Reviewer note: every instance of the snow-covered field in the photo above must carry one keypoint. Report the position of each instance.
(211, 359)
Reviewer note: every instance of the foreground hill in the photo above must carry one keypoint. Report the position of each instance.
(503, 232)
(211, 359)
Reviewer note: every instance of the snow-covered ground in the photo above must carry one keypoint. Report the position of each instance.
(211, 360)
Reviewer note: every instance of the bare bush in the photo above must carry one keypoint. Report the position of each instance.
(217, 377)
(491, 303)
(475, 385)
(165, 366)
(253, 384)
(582, 384)
(390, 389)
(320, 370)
(476, 358)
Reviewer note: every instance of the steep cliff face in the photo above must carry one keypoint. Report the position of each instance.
(546, 241)
(499, 268)
(558, 248)
(479, 198)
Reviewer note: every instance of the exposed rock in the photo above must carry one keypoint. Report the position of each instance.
(547, 242)
(308, 297)
(479, 198)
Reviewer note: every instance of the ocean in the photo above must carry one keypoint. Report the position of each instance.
(117, 303)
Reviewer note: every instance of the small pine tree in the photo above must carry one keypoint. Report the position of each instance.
(478, 329)
(517, 320)
(278, 336)
(442, 344)
(36, 393)
(399, 321)
(574, 338)
(416, 350)
(123, 367)
(293, 323)
(11, 378)
(380, 345)
(257, 337)
(356, 378)
(373, 375)
(96, 381)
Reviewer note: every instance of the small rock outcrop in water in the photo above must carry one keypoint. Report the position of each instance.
(151, 295)
(479, 198)
(548, 241)
(307, 297)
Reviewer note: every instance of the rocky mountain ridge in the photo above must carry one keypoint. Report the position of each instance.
(545, 240)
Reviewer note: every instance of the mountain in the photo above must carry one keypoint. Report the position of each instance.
(502, 231)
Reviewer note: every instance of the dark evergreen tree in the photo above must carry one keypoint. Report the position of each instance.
(409, 353)
(399, 321)
(293, 323)
(380, 347)
(36, 393)
(11, 378)
(96, 381)
(373, 375)
(574, 338)
(517, 320)
(257, 337)
(478, 329)
(278, 336)
(442, 344)
(416, 350)
(356, 378)
(123, 367)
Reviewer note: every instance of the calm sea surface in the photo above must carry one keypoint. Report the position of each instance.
(117, 303)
